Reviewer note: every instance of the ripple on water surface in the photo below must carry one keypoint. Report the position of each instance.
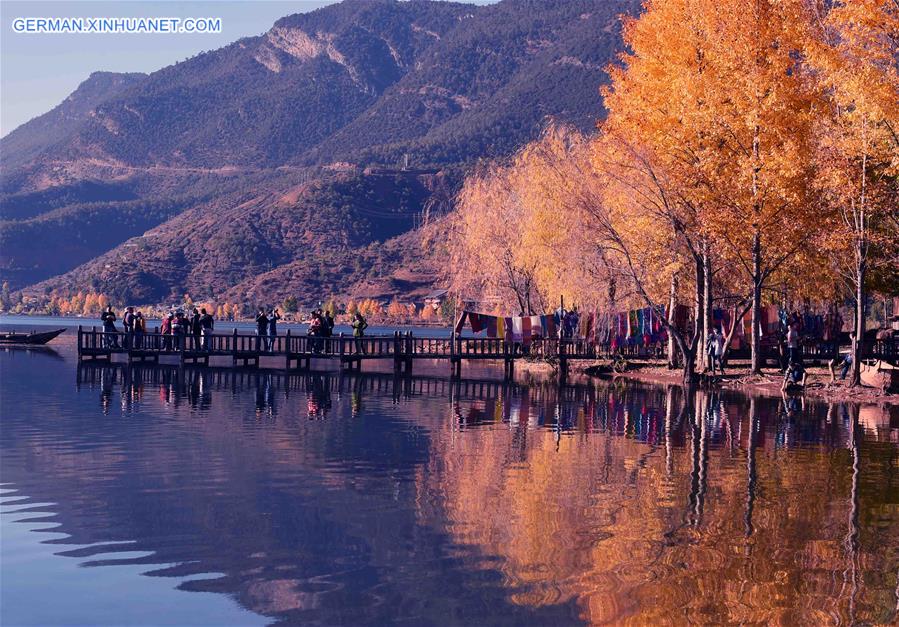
(368, 499)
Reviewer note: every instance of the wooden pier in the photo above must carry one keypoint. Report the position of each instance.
(297, 352)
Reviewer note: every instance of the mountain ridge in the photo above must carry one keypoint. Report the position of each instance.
(331, 101)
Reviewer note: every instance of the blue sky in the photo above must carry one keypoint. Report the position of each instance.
(37, 71)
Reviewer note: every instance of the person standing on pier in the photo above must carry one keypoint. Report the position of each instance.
(261, 330)
(196, 330)
(206, 326)
(128, 323)
(140, 327)
(315, 331)
(359, 326)
(273, 316)
(178, 329)
(108, 318)
(166, 332)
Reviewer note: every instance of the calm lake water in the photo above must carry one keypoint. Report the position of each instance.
(159, 496)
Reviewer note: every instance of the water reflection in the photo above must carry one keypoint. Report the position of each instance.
(373, 498)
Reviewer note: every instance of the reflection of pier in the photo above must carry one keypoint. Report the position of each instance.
(649, 414)
(495, 465)
(287, 382)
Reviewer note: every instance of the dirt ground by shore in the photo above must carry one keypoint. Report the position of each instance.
(818, 383)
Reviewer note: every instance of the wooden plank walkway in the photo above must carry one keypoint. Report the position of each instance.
(298, 351)
(403, 349)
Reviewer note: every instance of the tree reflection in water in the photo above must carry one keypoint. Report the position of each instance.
(419, 498)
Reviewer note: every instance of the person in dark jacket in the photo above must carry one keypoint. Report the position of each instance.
(273, 316)
(316, 331)
(140, 327)
(128, 323)
(794, 378)
(108, 318)
(206, 325)
(329, 324)
(261, 329)
(196, 329)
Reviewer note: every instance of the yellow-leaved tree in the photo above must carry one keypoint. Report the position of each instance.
(714, 105)
(854, 53)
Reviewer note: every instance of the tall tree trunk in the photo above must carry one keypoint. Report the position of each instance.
(755, 366)
(857, 344)
(736, 322)
(672, 303)
(860, 218)
(706, 302)
(689, 352)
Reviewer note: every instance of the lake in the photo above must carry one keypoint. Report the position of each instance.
(160, 495)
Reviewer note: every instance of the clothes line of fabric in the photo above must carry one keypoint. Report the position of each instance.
(639, 326)
(513, 328)
(645, 327)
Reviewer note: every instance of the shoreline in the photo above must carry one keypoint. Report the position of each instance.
(736, 378)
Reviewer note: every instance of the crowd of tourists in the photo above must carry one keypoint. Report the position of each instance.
(180, 331)
(789, 341)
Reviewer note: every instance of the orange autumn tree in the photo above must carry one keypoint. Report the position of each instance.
(655, 143)
(854, 53)
(519, 235)
(487, 253)
(650, 235)
(713, 92)
(559, 185)
(761, 177)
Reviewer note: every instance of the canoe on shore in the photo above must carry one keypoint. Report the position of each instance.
(29, 338)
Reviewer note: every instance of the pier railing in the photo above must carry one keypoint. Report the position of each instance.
(403, 348)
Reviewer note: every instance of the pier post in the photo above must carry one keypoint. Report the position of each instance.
(80, 341)
(397, 351)
(234, 348)
(408, 351)
(287, 350)
(452, 351)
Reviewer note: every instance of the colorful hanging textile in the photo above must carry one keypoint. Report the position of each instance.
(526, 330)
(646, 326)
(477, 322)
(501, 328)
(681, 318)
(586, 330)
(492, 322)
(460, 323)
(552, 330)
(516, 329)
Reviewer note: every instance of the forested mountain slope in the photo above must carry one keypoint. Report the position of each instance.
(201, 154)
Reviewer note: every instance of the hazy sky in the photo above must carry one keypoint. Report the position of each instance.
(37, 71)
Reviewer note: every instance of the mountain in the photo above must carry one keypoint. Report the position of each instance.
(273, 163)
(35, 136)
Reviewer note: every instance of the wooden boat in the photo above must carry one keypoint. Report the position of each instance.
(29, 338)
(881, 375)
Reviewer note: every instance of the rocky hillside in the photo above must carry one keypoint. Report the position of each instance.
(277, 156)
